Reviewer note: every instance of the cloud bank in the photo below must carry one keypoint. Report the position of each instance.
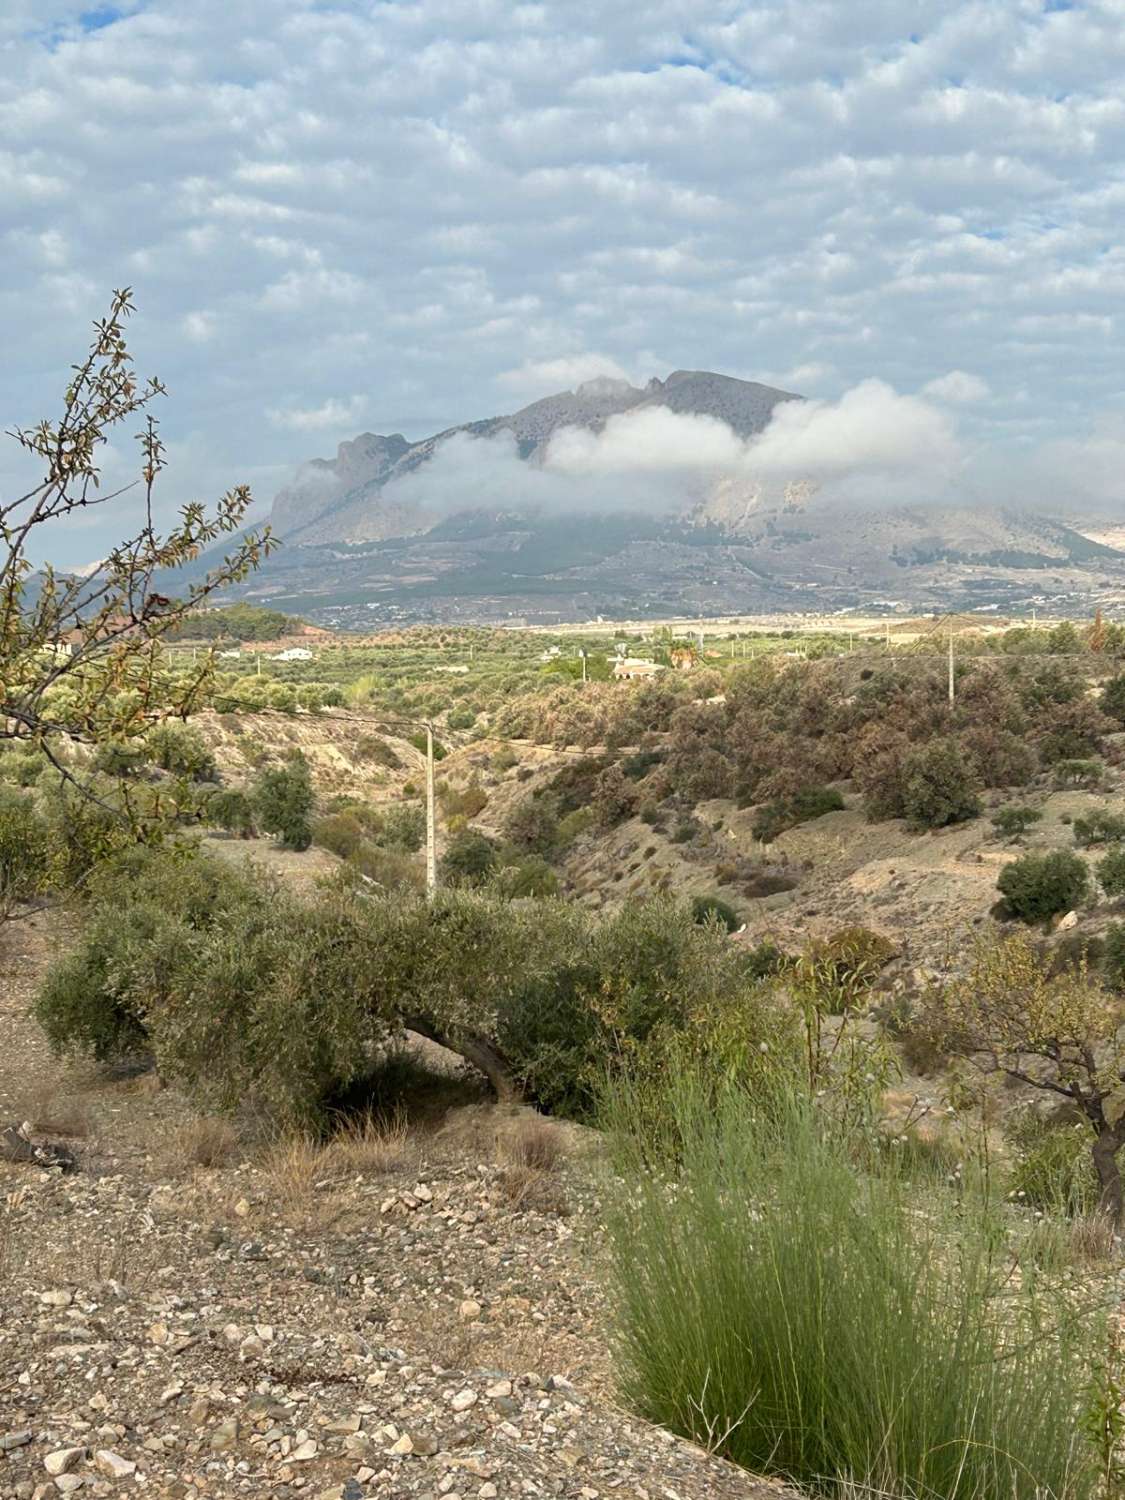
(429, 210)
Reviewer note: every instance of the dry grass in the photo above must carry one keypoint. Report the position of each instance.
(53, 1113)
(530, 1150)
(370, 1145)
(208, 1141)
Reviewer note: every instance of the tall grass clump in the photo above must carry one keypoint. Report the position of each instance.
(785, 1302)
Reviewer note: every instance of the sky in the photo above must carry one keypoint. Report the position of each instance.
(397, 215)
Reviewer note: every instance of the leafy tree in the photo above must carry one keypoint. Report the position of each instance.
(1054, 1031)
(283, 801)
(533, 825)
(1036, 886)
(81, 657)
(714, 908)
(1014, 820)
(938, 786)
(27, 864)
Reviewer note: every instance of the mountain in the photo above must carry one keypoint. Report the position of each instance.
(343, 499)
(362, 550)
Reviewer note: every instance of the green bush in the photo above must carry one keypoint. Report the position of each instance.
(939, 786)
(176, 748)
(231, 810)
(21, 766)
(1113, 698)
(786, 1302)
(714, 908)
(1014, 820)
(806, 804)
(1113, 963)
(1099, 828)
(529, 876)
(1036, 886)
(573, 825)
(1111, 872)
(1051, 1165)
(371, 747)
(470, 856)
(117, 758)
(283, 803)
(27, 858)
(1083, 773)
(533, 825)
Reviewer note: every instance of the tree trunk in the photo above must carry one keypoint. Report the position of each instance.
(478, 1050)
(1106, 1146)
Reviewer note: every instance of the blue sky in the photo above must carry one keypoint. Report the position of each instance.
(405, 214)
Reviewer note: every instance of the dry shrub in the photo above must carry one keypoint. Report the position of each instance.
(209, 1141)
(294, 1167)
(369, 1145)
(530, 1149)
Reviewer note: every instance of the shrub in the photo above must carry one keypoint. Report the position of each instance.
(22, 767)
(852, 957)
(1036, 886)
(1111, 873)
(419, 742)
(573, 825)
(1014, 820)
(371, 747)
(469, 858)
(938, 787)
(283, 802)
(1113, 698)
(714, 908)
(1099, 828)
(1051, 1167)
(232, 811)
(176, 748)
(533, 825)
(827, 1321)
(614, 797)
(468, 803)
(1113, 965)
(531, 876)
(117, 758)
(341, 833)
(461, 718)
(1084, 773)
(27, 862)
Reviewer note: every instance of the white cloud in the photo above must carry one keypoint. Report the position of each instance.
(445, 203)
(333, 414)
(544, 377)
(957, 387)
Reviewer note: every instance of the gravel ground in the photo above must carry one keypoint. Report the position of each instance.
(414, 1315)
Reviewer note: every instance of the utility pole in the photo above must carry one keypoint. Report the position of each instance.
(259, 657)
(431, 842)
(951, 689)
(582, 654)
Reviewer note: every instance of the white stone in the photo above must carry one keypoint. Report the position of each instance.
(112, 1465)
(469, 1310)
(62, 1460)
(463, 1400)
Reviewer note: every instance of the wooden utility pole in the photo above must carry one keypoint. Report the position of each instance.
(431, 840)
(951, 685)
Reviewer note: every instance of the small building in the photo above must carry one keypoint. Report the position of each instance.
(294, 653)
(628, 668)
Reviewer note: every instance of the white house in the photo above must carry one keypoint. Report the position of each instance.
(294, 653)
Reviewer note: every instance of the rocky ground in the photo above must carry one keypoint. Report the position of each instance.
(416, 1310)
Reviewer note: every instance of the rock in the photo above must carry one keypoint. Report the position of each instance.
(112, 1465)
(66, 1484)
(225, 1435)
(423, 1445)
(16, 1145)
(58, 1297)
(469, 1311)
(404, 1446)
(498, 1388)
(304, 1452)
(10, 1441)
(463, 1400)
(62, 1460)
(1069, 921)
